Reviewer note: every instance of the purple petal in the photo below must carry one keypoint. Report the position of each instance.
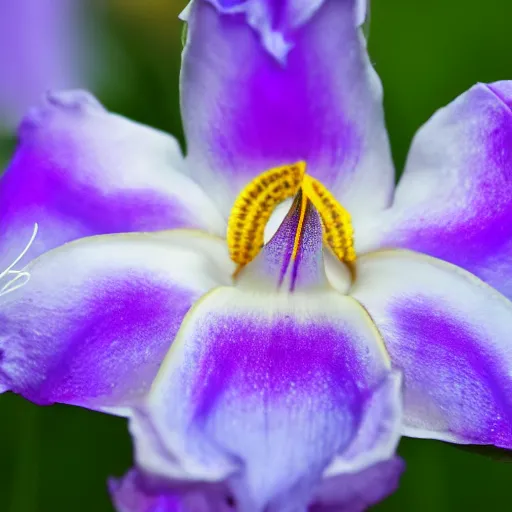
(96, 317)
(449, 333)
(136, 493)
(453, 201)
(277, 266)
(268, 83)
(368, 471)
(357, 492)
(128, 496)
(39, 50)
(262, 390)
(81, 171)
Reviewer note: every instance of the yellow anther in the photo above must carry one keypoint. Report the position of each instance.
(337, 223)
(254, 206)
(257, 201)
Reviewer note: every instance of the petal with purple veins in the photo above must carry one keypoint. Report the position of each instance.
(453, 201)
(264, 388)
(449, 333)
(80, 171)
(266, 83)
(93, 322)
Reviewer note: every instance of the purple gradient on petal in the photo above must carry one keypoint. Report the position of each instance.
(79, 171)
(465, 217)
(266, 392)
(318, 358)
(282, 120)
(300, 389)
(357, 492)
(245, 112)
(105, 350)
(128, 496)
(460, 362)
(134, 493)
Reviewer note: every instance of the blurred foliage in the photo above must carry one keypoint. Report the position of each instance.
(57, 459)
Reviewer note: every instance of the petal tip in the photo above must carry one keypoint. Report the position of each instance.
(75, 99)
(273, 23)
(67, 101)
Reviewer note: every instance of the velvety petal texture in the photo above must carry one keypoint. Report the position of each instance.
(262, 390)
(454, 199)
(41, 47)
(95, 318)
(133, 493)
(80, 171)
(267, 82)
(128, 496)
(357, 492)
(354, 492)
(449, 333)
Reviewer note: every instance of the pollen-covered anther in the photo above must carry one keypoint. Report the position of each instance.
(336, 221)
(254, 206)
(258, 200)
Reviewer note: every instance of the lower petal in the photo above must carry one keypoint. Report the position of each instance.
(357, 492)
(263, 391)
(96, 317)
(133, 494)
(449, 333)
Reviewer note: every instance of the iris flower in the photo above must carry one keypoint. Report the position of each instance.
(251, 306)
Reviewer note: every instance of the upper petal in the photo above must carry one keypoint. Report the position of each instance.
(81, 171)
(97, 316)
(449, 333)
(266, 83)
(454, 200)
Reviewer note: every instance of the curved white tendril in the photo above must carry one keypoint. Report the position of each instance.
(21, 277)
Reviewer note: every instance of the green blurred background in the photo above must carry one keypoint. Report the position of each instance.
(58, 458)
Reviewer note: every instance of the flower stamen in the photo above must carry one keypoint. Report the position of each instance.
(254, 206)
(336, 221)
(258, 200)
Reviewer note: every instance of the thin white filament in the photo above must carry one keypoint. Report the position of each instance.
(21, 278)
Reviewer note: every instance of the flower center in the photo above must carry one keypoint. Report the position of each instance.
(258, 200)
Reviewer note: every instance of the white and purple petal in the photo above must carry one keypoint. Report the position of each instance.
(80, 171)
(357, 492)
(268, 82)
(133, 493)
(449, 333)
(454, 199)
(264, 389)
(95, 318)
